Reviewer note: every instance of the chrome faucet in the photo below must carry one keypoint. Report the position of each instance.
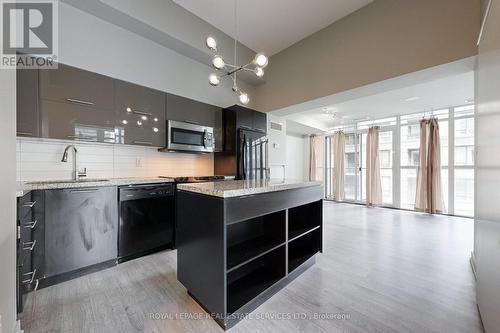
(76, 173)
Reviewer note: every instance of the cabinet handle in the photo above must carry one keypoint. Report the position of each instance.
(31, 224)
(29, 204)
(83, 138)
(245, 127)
(29, 281)
(78, 101)
(142, 113)
(29, 245)
(24, 133)
(143, 142)
(91, 190)
(191, 122)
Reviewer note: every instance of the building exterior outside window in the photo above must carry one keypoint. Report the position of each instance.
(457, 159)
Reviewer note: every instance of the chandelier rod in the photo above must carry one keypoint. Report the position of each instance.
(234, 72)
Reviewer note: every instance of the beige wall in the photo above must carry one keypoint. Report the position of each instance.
(385, 39)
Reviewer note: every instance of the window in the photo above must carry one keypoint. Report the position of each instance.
(385, 154)
(414, 156)
(410, 152)
(385, 158)
(464, 141)
(464, 161)
(457, 158)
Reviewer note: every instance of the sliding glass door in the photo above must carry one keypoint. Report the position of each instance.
(355, 166)
(399, 143)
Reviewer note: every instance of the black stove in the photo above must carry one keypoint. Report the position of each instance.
(198, 179)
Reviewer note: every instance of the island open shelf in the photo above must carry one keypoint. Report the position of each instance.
(250, 280)
(251, 238)
(304, 218)
(235, 252)
(302, 248)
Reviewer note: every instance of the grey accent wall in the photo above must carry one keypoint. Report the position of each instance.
(91, 43)
(487, 173)
(383, 40)
(8, 200)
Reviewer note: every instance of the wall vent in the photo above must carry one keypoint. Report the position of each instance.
(276, 126)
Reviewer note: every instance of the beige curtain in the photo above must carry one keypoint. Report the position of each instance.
(338, 165)
(373, 180)
(316, 158)
(429, 196)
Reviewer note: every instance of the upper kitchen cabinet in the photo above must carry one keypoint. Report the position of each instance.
(237, 116)
(28, 116)
(76, 86)
(67, 121)
(76, 104)
(139, 114)
(194, 112)
(260, 121)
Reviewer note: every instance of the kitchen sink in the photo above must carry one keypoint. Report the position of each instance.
(67, 181)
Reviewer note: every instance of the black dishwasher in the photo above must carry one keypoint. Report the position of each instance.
(146, 220)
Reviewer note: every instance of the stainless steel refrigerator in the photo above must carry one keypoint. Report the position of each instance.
(252, 155)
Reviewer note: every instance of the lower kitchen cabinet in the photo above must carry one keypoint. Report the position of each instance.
(81, 228)
(29, 245)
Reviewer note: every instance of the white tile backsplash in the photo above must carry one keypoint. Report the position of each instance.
(40, 159)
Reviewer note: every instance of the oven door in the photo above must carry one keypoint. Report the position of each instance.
(190, 137)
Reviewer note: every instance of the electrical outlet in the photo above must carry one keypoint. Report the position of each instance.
(138, 162)
(276, 145)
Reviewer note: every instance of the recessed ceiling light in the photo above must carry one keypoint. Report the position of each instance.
(411, 99)
(328, 109)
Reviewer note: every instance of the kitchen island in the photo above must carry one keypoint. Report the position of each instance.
(240, 242)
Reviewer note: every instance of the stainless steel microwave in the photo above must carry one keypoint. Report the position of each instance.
(195, 138)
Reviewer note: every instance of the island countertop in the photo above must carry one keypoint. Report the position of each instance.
(236, 188)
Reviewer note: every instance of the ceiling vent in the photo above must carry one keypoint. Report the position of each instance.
(276, 126)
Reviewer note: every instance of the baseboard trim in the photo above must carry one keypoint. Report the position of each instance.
(17, 328)
(472, 261)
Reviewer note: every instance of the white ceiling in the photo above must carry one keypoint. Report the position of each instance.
(433, 95)
(272, 25)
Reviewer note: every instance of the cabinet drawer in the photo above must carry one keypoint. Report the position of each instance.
(25, 207)
(72, 121)
(76, 86)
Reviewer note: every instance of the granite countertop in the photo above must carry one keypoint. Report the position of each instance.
(236, 188)
(25, 187)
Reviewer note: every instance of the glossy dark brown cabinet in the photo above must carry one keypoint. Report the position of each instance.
(77, 86)
(191, 111)
(245, 118)
(83, 225)
(69, 103)
(68, 121)
(133, 104)
(76, 104)
(28, 116)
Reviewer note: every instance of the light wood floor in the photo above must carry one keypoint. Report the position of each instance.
(387, 270)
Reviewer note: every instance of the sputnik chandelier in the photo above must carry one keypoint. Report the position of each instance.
(224, 69)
